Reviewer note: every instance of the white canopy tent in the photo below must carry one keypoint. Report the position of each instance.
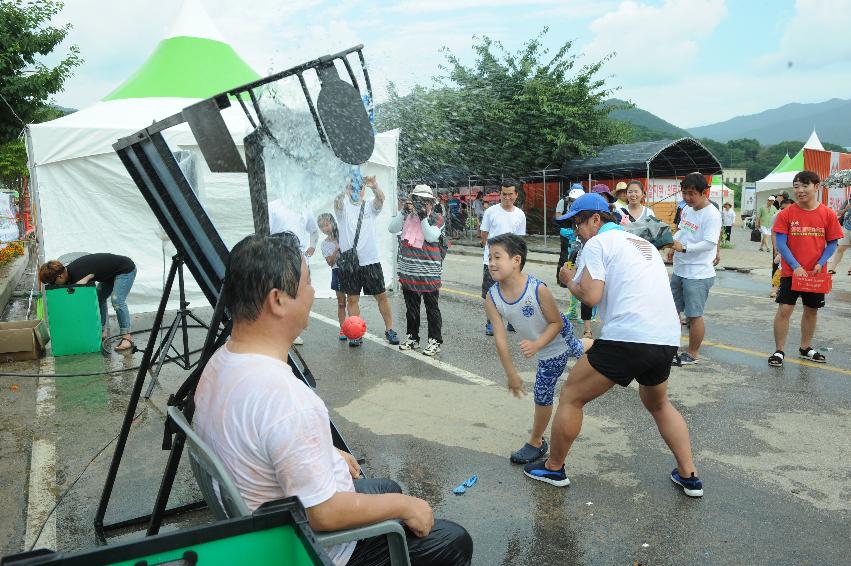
(87, 202)
(781, 178)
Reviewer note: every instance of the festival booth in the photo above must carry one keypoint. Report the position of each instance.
(660, 165)
(87, 202)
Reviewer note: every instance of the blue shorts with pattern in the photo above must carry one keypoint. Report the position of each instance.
(550, 369)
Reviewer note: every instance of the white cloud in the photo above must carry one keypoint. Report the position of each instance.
(816, 36)
(653, 43)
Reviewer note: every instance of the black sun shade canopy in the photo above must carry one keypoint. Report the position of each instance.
(665, 158)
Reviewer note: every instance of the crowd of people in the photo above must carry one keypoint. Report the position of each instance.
(272, 431)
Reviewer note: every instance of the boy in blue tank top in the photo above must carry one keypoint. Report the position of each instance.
(526, 304)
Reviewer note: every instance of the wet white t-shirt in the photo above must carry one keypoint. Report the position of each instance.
(347, 220)
(637, 305)
(272, 433)
(497, 221)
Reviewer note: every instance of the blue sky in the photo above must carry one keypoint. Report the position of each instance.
(691, 62)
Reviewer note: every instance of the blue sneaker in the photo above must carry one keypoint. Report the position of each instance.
(391, 337)
(355, 343)
(510, 328)
(692, 486)
(488, 329)
(538, 471)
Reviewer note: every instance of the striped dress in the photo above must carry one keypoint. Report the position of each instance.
(419, 269)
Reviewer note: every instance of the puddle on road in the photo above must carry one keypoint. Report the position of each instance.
(483, 419)
(799, 457)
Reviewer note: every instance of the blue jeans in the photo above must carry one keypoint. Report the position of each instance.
(117, 291)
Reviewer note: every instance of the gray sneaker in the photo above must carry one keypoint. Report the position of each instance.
(529, 453)
(409, 343)
(686, 359)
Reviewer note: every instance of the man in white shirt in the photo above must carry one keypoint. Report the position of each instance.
(625, 277)
(694, 251)
(369, 277)
(283, 219)
(503, 219)
(271, 430)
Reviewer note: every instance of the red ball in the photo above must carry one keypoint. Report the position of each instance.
(354, 327)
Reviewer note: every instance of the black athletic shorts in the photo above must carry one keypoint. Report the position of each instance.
(487, 281)
(786, 296)
(648, 364)
(370, 278)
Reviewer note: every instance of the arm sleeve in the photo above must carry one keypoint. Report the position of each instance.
(702, 246)
(302, 454)
(785, 252)
(430, 233)
(592, 260)
(828, 251)
(712, 229)
(485, 226)
(560, 207)
(522, 227)
(396, 223)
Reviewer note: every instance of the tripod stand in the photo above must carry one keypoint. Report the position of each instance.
(181, 322)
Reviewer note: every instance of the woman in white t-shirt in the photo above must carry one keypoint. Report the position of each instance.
(635, 210)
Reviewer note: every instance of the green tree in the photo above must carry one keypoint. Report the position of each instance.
(26, 83)
(508, 113)
(13, 163)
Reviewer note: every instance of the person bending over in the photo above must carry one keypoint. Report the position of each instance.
(527, 304)
(272, 431)
(624, 275)
(114, 275)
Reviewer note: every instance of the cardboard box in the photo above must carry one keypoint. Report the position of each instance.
(23, 340)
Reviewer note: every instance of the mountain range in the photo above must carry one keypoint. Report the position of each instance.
(831, 119)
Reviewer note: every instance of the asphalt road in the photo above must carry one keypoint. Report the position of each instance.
(773, 446)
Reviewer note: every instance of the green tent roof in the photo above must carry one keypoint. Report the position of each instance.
(186, 67)
(782, 163)
(795, 164)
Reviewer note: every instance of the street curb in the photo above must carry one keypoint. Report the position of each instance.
(16, 270)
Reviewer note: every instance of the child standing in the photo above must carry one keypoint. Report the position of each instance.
(527, 304)
(330, 250)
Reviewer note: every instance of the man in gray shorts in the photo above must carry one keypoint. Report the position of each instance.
(693, 254)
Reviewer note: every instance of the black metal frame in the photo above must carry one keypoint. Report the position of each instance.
(155, 171)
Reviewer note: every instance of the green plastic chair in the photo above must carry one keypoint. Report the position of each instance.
(226, 501)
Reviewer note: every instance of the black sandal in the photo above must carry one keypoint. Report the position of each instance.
(776, 359)
(813, 355)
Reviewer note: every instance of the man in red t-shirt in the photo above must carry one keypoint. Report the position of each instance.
(807, 234)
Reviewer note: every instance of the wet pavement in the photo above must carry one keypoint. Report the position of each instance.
(773, 446)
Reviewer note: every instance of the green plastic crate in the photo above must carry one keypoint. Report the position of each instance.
(74, 319)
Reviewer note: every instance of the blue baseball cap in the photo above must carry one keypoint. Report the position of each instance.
(577, 186)
(588, 201)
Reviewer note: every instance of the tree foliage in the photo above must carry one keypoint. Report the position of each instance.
(13, 163)
(507, 113)
(758, 159)
(26, 83)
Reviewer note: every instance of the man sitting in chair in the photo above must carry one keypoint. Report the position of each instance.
(272, 431)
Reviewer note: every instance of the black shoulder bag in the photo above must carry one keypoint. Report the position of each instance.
(348, 261)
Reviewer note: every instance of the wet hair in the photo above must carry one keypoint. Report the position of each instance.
(807, 178)
(256, 265)
(694, 181)
(329, 218)
(512, 244)
(50, 271)
(787, 202)
(584, 215)
(508, 185)
(637, 183)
